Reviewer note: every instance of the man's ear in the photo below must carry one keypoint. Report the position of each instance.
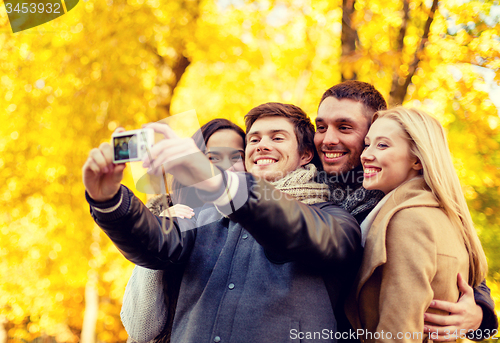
(306, 157)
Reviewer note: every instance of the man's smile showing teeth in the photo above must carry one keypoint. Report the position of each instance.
(334, 154)
(265, 161)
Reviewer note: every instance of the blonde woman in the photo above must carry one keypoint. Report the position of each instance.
(420, 235)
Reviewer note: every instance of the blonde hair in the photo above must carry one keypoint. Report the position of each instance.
(428, 143)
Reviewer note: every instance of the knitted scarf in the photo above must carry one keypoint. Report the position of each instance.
(302, 186)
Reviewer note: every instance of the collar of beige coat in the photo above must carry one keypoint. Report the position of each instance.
(413, 193)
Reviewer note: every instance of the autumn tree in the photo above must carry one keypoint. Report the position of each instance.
(68, 84)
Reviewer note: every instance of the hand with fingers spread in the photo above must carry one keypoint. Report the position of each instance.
(101, 176)
(181, 158)
(465, 315)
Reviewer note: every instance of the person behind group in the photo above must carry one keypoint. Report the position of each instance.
(344, 117)
(420, 234)
(223, 142)
(273, 268)
(151, 295)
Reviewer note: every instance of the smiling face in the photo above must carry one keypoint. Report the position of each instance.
(272, 150)
(341, 126)
(387, 161)
(225, 149)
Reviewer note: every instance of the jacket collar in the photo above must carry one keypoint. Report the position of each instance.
(413, 193)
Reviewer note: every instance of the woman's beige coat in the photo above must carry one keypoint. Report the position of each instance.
(412, 255)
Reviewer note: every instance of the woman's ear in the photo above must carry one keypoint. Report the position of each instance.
(417, 165)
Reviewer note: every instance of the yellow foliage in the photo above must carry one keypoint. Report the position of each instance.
(68, 84)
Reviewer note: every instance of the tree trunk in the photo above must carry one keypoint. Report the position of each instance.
(90, 315)
(177, 66)
(349, 38)
(400, 84)
(3, 332)
(179, 69)
(91, 310)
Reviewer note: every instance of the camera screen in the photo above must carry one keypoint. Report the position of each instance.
(125, 147)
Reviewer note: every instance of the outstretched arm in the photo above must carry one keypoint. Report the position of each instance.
(139, 234)
(135, 231)
(317, 234)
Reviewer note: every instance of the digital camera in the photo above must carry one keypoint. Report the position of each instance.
(130, 146)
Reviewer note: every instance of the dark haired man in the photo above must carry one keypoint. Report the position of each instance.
(344, 117)
(259, 265)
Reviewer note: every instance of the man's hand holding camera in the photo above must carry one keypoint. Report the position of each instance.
(182, 158)
(101, 177)
(178, 156)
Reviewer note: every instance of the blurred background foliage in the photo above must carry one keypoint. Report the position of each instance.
(66, 85)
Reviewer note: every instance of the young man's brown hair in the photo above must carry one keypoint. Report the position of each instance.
(303, 127)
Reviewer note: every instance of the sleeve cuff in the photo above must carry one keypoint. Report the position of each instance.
(232, 194)
(231, 183)
(111, 209)
(224, 195)
(488, 324)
